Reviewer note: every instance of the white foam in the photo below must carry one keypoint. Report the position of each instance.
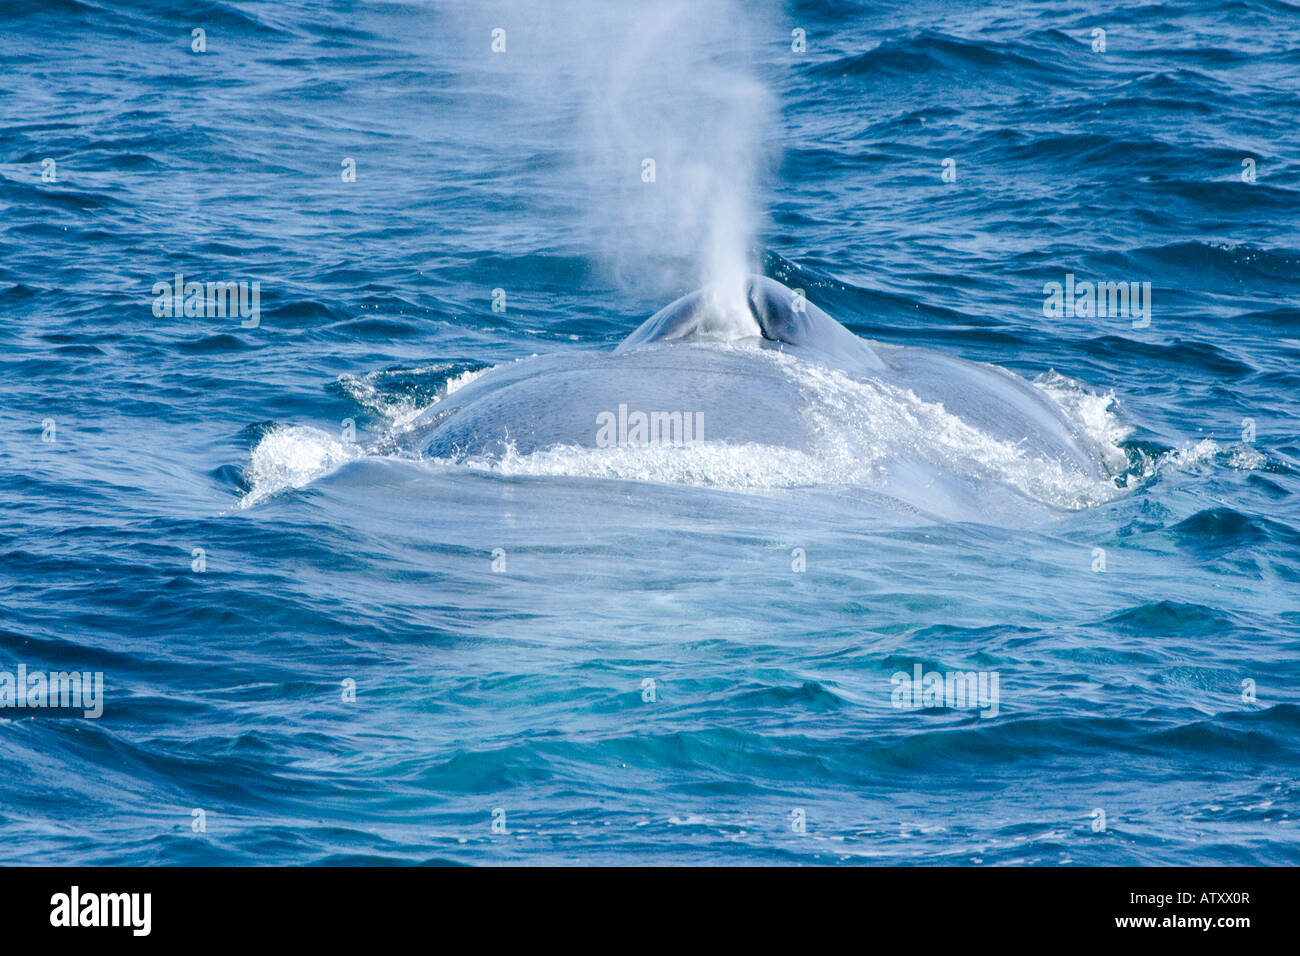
(1190, 456)
(1246, 458)
(457, 382)
(1193, 456)
(741, 467)
(1094, 413)
(1199, 456)
(869, 421)
(290, 456)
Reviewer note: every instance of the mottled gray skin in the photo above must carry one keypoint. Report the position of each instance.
(667, 364)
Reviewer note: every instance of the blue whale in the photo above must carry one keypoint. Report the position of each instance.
(759, 367)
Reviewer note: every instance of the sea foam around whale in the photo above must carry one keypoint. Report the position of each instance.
(860, 425)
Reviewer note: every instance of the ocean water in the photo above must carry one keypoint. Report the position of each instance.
(320, 645)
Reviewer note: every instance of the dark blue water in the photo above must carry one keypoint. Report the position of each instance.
(639, 674)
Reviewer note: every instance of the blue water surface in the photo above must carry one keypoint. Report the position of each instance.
(342, 653)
